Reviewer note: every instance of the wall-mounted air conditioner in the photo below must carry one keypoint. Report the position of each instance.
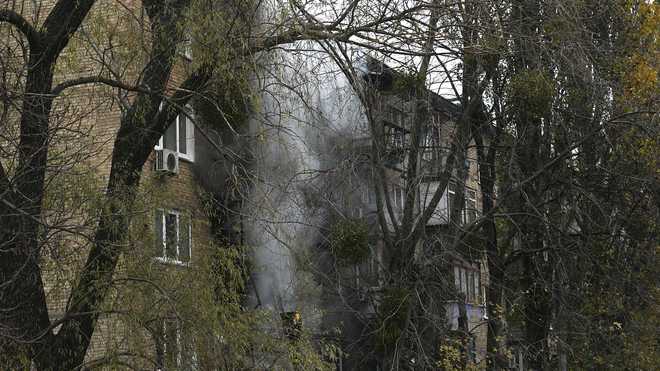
(167, 162)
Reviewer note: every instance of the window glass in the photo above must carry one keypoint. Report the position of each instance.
(175, 346)
(471, 205)
(477, 285)
(398, 196)
(159, 340)
(184, 242)
(431, 149)
(171, 343)
(169, 139)
(471, 209)
(171, 236)
(451, 199)
(158, 228)
(183, 134)
(470, 287)
(186, 44)
(180, 137)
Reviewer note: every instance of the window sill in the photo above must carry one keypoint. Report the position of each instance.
(474, 304)
(182, 157)
(185, 55)
(186, 158)
(170, 261)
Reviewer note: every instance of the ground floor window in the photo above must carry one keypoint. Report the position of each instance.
(174, 347)
(468, 282)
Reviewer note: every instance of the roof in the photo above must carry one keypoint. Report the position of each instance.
(383, 78)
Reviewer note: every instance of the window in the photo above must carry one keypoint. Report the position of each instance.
(395, 138)
(451, 199)
(365, 199)
(516, 358)
(469, 212)
(186, 45)
(367, 196)
(398, 196)
(396, 117)
(174, 347)
(431, 150)
(437, 118)
(368, 273)
(173, 237)
(468, 282)
(180, 137)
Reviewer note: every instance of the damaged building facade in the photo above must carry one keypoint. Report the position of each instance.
(311, 215)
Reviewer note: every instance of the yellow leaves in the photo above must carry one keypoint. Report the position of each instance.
(640, 69)
(451, 357)
(641, 80)
(649, 153)
(649, 13)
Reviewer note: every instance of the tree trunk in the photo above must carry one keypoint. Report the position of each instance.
(24, 322)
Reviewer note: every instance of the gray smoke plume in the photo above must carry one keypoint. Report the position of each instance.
(306, 108)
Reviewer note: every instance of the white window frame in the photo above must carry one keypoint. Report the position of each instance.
(178, 342)
(467, 280)
(190, 136)
(472, 198)
(163, 258)
(466, 197)
(186, 44)
(398, 196)
(451, 196)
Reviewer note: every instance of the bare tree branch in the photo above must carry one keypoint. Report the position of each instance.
(33, 36)
(57, 90)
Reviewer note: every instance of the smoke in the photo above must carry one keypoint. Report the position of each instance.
(306, 108)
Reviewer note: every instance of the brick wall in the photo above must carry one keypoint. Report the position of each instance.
(84, 123)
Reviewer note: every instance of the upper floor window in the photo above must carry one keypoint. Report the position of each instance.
(470, 214)
(398, 196)
(180, 137)
(469, 211)
(395, 137)
(368, 273)
(451, 199)
(173, 231)
(395, 116)
(431, 150)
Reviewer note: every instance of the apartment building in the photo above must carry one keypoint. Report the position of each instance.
(352, 298)
(173, 235)
(170, 234)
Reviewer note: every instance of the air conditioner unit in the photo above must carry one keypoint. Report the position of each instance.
(167, 161)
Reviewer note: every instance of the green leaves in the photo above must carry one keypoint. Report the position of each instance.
(349, 241)
(532, 91)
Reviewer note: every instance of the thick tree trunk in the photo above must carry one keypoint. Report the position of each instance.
(24, 322)
(486, 156)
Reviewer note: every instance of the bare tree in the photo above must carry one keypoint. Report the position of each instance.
(26, 329)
